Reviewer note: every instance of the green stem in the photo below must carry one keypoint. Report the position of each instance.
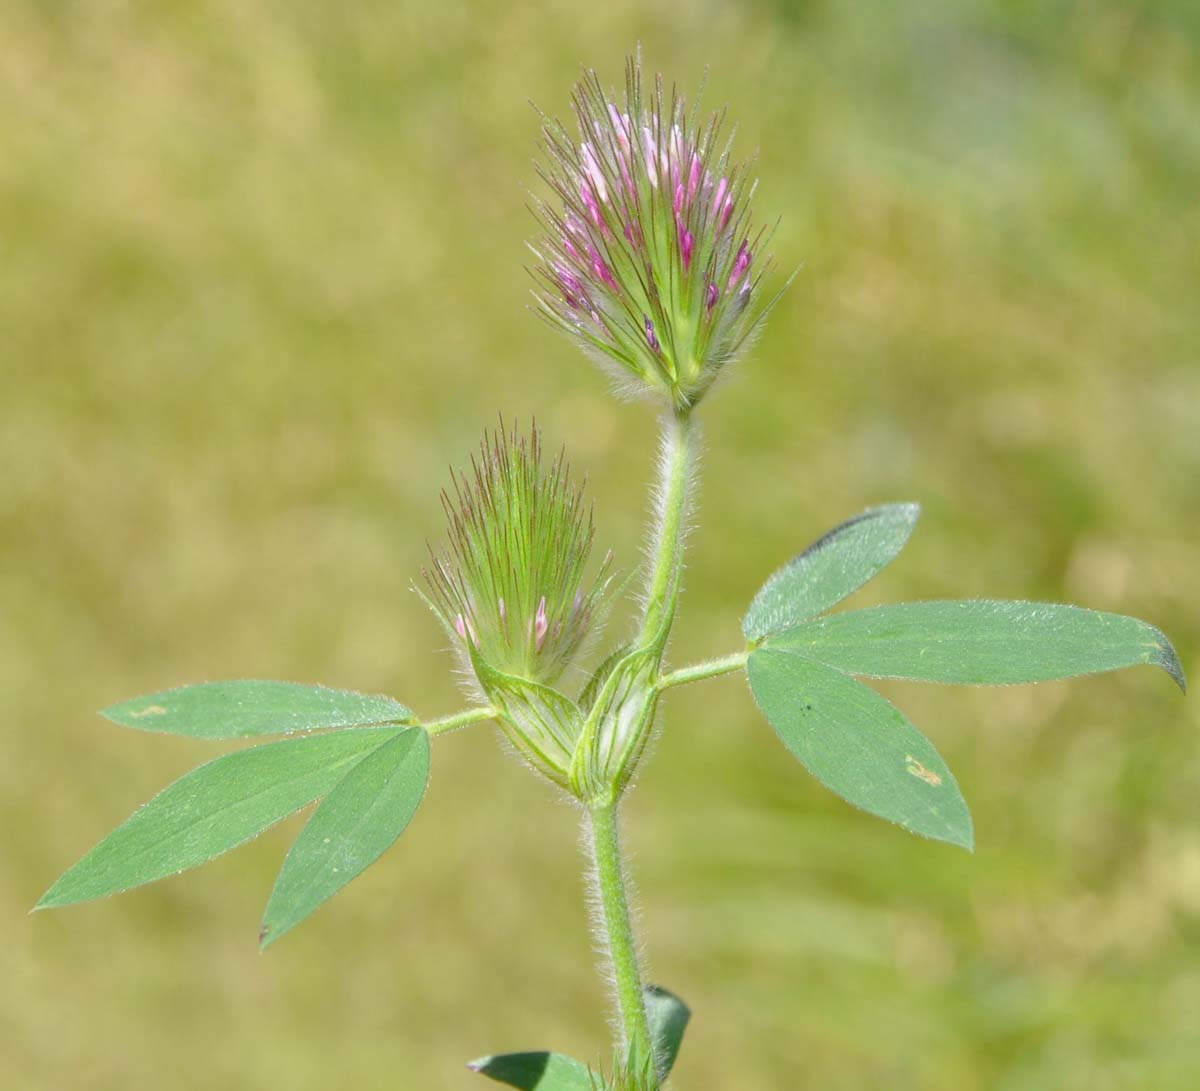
(662, 589)
(618, 931)
(710, 668)
(663, 585)
(459, 719)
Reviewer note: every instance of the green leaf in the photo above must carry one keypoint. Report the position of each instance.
(540, 1071)
(355, 824)
(238, 710)
(668, 1017)
(214, 809)
(981, 643)
(830, 569)
(859, 745)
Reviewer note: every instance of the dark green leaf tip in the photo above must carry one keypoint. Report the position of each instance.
(980, 642)
(668, 1017)
(905, 513)
(1168, 658)
(535, 1071)
(832, 568)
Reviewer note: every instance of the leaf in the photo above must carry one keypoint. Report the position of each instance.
(214, 809)
(830, 569)
(355, 824)
(859, 745)
(668, 1017)
(981, 643)
(239, 710)
(543, 1071)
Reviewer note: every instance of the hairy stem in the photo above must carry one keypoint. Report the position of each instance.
(617, 930)
(675, 469)
(662, 589)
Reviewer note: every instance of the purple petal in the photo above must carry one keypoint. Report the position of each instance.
(686, 245)
(740, 265)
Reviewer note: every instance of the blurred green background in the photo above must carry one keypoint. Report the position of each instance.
(262, 283)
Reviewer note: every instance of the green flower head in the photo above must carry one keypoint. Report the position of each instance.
(510, 586)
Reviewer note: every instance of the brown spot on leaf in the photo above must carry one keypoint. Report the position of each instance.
(914, 767)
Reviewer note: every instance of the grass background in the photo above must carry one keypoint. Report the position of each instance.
(262, 282)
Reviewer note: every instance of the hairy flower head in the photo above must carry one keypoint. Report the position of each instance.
(648, 255)
(510, 584)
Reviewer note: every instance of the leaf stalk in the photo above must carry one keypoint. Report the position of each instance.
(468, 716)
(709, 668)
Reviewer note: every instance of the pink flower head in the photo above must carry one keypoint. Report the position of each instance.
(648, 235)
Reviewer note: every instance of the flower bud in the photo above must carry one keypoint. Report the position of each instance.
(511, 591)
(510, 585)
(648, 256)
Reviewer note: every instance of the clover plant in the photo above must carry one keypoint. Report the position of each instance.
(648, 256)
